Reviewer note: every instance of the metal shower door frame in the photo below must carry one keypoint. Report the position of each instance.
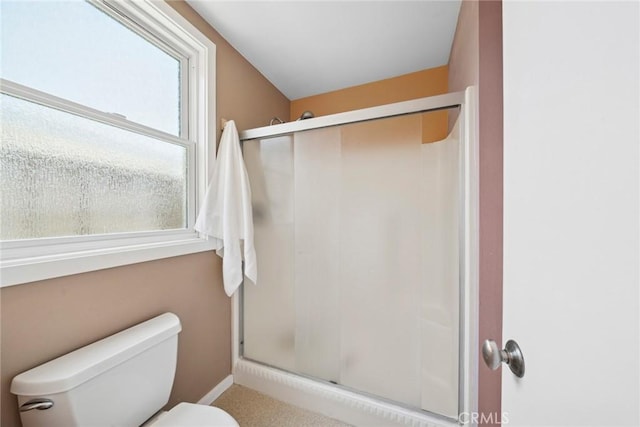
(468, 219)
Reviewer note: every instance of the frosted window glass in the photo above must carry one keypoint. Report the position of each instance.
(73, 50)
(357, 236)
(63, 175)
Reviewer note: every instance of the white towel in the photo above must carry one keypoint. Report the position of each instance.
(226, 213)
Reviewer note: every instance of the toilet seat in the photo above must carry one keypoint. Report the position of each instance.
(193, 415)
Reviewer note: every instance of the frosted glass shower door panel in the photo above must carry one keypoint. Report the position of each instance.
(381, 256)
(317, 248)
(269, 310)
(439, 308)
(356, 232)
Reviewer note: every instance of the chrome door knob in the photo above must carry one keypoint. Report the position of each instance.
(511, 355)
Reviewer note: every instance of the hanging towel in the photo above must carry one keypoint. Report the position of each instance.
(226, 213)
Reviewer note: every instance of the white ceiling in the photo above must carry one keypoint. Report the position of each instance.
(310, 47)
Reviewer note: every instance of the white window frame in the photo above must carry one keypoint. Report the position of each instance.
(29, 260)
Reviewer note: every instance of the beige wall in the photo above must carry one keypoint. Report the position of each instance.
(429, 82)
(243, 94)
(43, 320)
(491, 201)
(463, 60)
(46, 319)
(432, 81)
(476, 59)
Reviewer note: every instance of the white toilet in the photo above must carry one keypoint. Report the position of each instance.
(122, 380)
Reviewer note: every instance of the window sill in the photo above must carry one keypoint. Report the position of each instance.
(26, 270)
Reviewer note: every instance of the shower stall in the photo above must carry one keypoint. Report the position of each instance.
(365, 233)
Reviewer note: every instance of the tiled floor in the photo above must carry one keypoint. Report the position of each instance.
(253, 409)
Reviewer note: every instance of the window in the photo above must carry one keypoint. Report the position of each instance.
(105, 136)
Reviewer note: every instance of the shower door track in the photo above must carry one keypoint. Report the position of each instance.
(254, 374)
(432, 103)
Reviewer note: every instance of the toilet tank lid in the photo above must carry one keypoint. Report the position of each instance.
(72, 369)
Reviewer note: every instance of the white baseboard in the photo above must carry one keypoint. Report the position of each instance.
(330, 401)
(215, 392)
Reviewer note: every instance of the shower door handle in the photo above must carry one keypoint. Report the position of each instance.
(511, 355)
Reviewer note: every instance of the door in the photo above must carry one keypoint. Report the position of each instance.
(571, 214)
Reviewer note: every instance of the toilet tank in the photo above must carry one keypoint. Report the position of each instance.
(121, 380)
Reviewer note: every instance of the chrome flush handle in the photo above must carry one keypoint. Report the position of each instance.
(511, 355)
(39, 404)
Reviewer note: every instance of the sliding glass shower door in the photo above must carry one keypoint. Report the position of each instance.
(356, 232)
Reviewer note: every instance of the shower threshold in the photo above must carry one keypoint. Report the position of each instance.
(331, 400)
